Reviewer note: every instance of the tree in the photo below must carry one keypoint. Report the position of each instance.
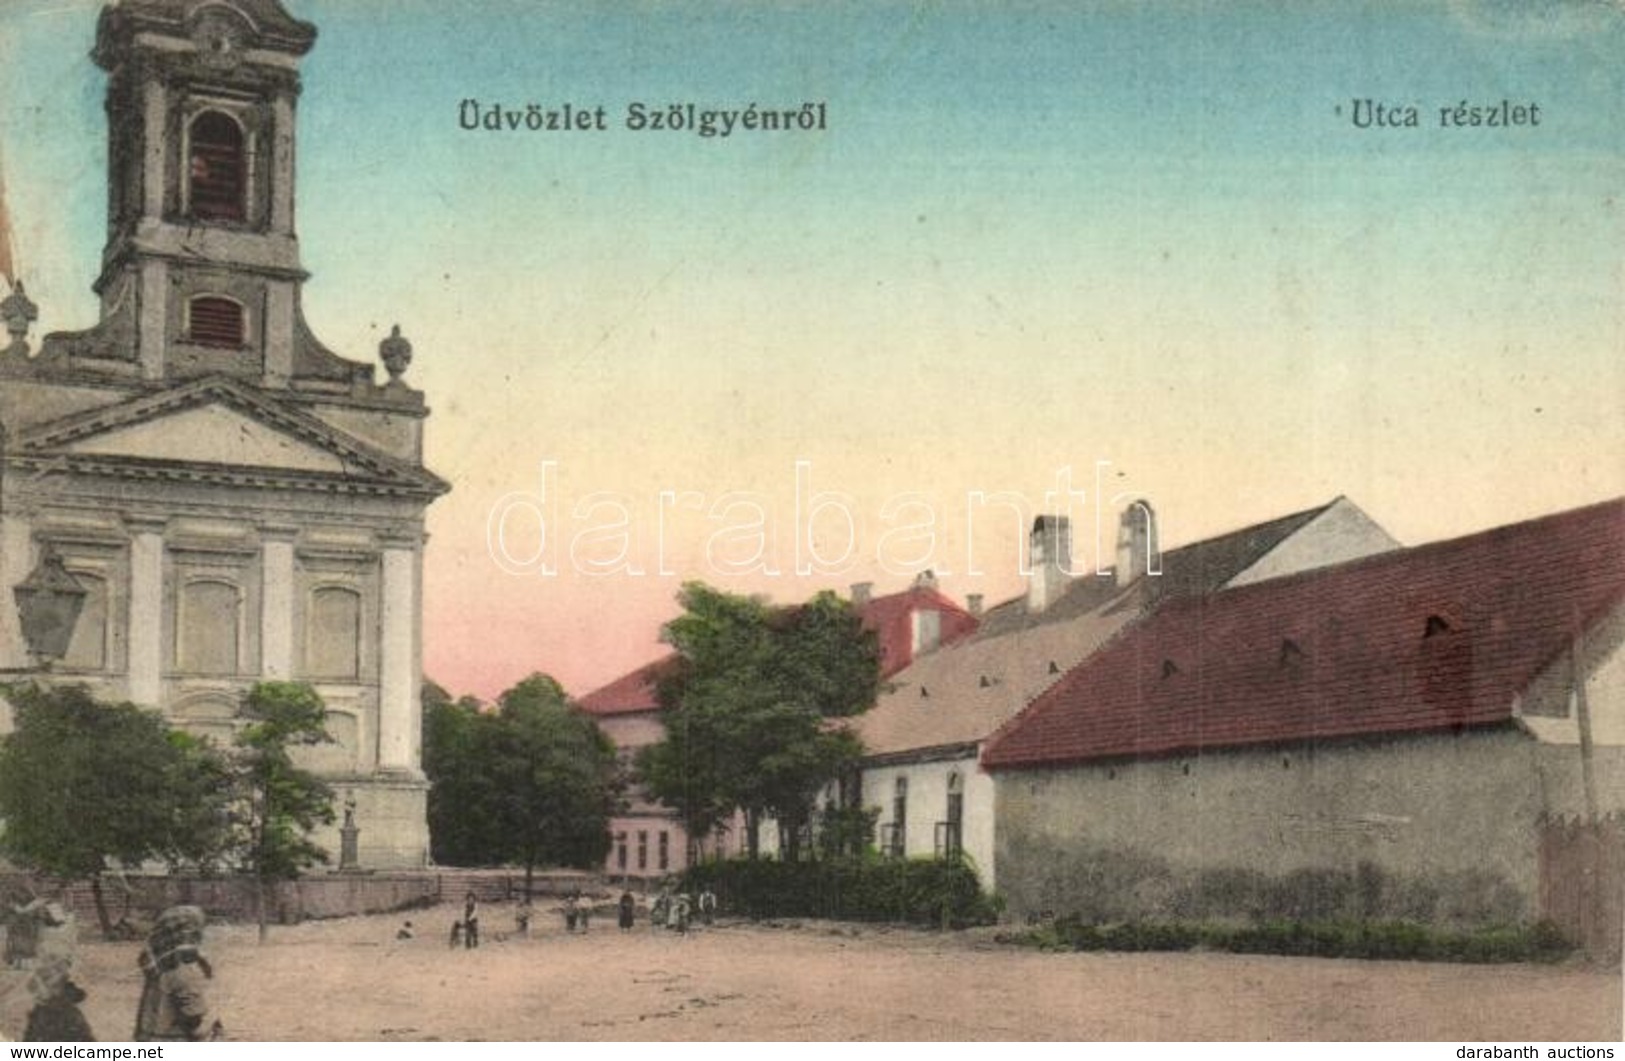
(750, 711)
(456, 739)
(86, 784)
(279, 803)
(533, 782)
(558, 779)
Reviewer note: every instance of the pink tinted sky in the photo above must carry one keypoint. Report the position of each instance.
(1032, 237)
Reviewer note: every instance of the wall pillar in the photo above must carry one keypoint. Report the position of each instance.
(154, 141)
(146, 634)
(16, 561)
(276, 602)
(398, 679)
(282, 146)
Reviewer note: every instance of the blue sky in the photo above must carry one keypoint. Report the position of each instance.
(1034, 235)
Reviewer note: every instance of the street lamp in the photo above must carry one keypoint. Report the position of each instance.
(49, 601)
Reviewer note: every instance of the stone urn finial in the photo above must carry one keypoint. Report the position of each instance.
(18, 311)
(396, 353)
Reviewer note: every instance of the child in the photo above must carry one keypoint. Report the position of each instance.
(56, 1017)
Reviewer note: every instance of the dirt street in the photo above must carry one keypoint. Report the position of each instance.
(352, 980)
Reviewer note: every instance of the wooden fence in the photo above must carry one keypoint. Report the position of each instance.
(1582, 881)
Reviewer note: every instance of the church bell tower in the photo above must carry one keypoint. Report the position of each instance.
(236, 502)
(201, 273)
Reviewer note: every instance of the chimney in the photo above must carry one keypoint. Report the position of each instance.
(1051, 561)
(861, 592)
(926, 579)
(1136, 540)
(973, 604)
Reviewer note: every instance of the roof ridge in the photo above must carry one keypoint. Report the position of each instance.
(1531, 587)
(1405, 553)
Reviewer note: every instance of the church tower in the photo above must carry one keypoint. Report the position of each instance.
(239, 502)
(201, 273)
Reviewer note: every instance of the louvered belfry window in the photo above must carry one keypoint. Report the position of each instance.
(218, 168)
(216, 322)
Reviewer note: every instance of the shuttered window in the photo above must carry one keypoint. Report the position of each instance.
(214, 321)
(218, 168)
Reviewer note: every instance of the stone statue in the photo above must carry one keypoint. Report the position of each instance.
(18, 311)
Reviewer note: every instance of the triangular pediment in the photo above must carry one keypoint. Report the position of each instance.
(215, 434)
(222, 428)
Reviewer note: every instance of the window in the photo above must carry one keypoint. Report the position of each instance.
(643, 850)
(665, 850)
(217, 168)
(88, 649)
(335, 633)
(214, 321)
(620, 852)
(899, 817)
(927, 630)
(207, 641)
(950, 832)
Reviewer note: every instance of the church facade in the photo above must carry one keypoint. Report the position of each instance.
(239, 502)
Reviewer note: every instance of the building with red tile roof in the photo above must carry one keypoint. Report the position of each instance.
(1417, 711)
(913, 623)
(648, 840)
(924, 735)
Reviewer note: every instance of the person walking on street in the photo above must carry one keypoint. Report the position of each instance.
(471, 922)
(628, 908)
(708, 906)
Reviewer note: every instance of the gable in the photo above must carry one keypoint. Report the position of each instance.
(1338, 533)
(215, 429)
(212, 434)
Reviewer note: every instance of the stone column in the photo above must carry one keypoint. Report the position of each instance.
(280, 308)
(154, 143)
(16, 561)
(146, 640)
(152, 319)
(276, 602)
(397, 655)
(281, 170)
(152, 304)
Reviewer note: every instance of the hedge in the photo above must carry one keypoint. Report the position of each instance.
(1393, 940)
(937, 892)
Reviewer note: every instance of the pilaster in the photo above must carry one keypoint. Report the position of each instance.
(146, 640)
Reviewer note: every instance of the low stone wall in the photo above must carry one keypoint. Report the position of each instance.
(140, 897)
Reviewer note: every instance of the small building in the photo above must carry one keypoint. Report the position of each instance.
(925, 734)
(649, 840)
(1407, 720)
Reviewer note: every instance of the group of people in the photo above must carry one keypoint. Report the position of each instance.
(174, 1004)
(670, 910)
(676, 910)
